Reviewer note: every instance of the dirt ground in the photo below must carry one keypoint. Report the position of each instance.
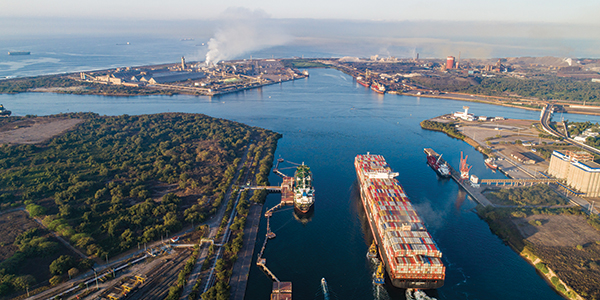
(33, 131)
(11, 225)
(558, 230)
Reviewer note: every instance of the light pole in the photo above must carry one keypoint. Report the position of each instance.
(96, 275)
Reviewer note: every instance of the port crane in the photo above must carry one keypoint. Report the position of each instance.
(464, 167)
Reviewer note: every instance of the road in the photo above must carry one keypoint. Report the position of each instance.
(241, 268)
(545, 120)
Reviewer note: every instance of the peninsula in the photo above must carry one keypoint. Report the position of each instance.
(571, 85)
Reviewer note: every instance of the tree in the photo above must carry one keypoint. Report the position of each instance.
(72, 272)
(35, 210)
(55, 280)
(21, 283)
(60, 265)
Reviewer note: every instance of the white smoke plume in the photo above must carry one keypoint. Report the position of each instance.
(243, 31)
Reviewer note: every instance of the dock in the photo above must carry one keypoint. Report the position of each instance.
(281, 290)
(474, 192)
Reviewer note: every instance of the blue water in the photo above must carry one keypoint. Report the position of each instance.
(326, 120)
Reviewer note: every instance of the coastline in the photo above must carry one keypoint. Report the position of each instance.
(528, 256)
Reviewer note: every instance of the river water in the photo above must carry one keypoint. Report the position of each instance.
(326, 120)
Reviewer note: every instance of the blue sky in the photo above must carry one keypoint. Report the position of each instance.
(573, 12)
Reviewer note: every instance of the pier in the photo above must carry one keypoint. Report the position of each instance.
(281, 290)
(517, 182)
(474, 192)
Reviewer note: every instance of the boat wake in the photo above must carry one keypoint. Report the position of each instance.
(412, 294)
(379, 291)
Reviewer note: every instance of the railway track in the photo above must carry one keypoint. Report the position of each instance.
(161, 279)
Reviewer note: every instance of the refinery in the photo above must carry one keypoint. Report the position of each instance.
(198, 78)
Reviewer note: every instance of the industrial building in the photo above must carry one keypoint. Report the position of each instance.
(579, 171)
(449, 62)
(174, 76)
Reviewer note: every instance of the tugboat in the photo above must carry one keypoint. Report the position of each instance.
(372, 251)
(4, 112)
(379, 279)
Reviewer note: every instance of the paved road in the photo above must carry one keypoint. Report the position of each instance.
(241, 268)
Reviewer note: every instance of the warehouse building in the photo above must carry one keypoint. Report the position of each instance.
(579, 171)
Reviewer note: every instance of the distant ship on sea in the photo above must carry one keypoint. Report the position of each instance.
(19, 53)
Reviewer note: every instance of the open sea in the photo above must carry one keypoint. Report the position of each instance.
(325, 120)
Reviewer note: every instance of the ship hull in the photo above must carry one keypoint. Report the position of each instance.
(403, 283)
(491, 166)
(375, 89)
(436, 167)
(363, 83)
(303, 208)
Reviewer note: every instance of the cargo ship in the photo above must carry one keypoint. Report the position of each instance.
(362, 82)
(19, 53)
(304, 193)
(4, 112)
(489, 162)
(378, 88)
(436, 163)
(410, 256)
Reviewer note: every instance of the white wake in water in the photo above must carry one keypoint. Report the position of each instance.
(417, 295)
(379, 291)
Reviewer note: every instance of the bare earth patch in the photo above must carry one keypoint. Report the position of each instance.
(11, 225)
(35, 131)
(558, 230)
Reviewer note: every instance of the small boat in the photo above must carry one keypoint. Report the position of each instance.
(379, 279)
(490, 163)
(372, 250)
(325, 289)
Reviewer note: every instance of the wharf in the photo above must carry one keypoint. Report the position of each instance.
(474, 192)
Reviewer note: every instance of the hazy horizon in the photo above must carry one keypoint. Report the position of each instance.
(248, 31)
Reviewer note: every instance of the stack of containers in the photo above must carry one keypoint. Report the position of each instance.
(410, 251)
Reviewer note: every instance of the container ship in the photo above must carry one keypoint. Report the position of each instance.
(304, 193)
(436, 163)
(409, 254)
(19, 53)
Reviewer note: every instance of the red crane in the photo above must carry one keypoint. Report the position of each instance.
(464, 167)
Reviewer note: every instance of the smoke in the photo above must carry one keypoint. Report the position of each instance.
(243, 31)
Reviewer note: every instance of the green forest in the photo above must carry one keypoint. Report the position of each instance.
(544, 87)
(447, 128)
(115, 182)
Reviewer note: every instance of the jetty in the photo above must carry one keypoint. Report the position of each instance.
(465, 183)
(282, 290)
